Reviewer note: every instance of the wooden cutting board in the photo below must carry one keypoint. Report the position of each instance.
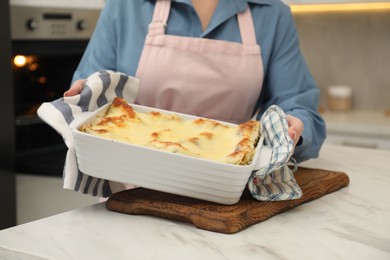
(228, 219)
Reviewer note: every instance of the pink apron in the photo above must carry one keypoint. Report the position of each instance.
(209, 78)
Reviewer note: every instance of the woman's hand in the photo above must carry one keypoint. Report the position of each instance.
(76, 88)
(295, 128)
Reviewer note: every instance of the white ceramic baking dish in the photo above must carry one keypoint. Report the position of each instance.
(163, 171)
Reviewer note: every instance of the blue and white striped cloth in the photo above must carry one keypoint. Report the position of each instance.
(273, 182)
(276, 180)
(100, 88)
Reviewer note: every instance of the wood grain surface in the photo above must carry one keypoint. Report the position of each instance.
(228, 219)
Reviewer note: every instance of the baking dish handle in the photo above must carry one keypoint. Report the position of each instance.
(264, 157)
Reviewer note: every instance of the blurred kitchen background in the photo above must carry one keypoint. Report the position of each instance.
(349, 48)
(346, 46)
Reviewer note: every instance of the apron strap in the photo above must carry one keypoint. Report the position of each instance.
(160, 17)
(247, 29)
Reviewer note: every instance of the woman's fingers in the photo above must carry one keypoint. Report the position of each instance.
(75, 89)
(295, 128)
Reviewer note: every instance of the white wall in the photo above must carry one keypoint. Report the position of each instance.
(349, 48)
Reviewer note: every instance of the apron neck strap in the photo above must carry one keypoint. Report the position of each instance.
(247, 29)
(160, 17)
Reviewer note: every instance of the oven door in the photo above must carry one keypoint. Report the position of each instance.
(42, 72)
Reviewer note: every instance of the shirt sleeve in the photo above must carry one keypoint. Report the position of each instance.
(289, 85)
(101, 50)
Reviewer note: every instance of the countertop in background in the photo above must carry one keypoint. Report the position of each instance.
(361, 128)
(359, 122)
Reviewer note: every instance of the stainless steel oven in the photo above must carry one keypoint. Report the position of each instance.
(47, 44)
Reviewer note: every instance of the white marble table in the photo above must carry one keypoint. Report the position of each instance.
(352, 223)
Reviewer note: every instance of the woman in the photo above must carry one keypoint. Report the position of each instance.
(221, 59)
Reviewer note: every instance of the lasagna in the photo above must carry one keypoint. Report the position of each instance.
(201, 137)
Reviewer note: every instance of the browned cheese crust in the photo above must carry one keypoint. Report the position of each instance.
(201, 138)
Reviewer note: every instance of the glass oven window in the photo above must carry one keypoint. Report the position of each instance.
(42, 72)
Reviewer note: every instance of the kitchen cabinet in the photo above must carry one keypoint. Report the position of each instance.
(291, 2)
(359, 141)
(359, 128)
(93, 4)
(7, 175)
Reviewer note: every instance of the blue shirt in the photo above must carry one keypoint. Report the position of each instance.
(119, 36)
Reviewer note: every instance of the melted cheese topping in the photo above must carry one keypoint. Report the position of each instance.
(202, 138)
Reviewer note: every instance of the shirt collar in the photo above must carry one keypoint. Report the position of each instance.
(241, 5)
(230, 7)
(260, 2)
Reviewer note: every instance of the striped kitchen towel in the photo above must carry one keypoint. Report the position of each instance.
(276, 180)
(100, 88)
(273, 182)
